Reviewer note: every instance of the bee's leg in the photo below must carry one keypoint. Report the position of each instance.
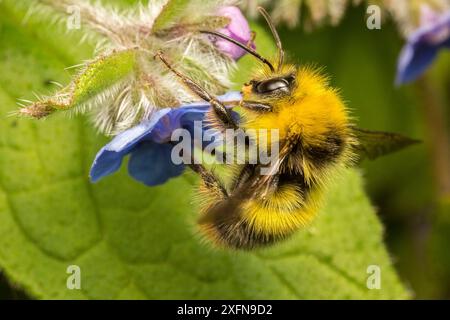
(256, 106)
(237, 148)
(270, 187)
(249, 178)
(221, 113)
(209, 179)
(244, 176)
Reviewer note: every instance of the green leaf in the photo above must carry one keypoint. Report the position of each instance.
(169, 12)
(97, 76)
(113, 68)
(132, 241)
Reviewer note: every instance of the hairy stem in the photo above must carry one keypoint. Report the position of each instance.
(436, 125)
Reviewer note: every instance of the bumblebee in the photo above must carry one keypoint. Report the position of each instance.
(316, 139)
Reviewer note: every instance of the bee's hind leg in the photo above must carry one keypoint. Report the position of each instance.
(209, 179)
(221, 117)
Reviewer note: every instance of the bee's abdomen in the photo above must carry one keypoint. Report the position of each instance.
(252, 223)
(239, 234)
(327, 152)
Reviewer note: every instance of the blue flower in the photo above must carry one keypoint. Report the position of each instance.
(423, 45)
(149, 145)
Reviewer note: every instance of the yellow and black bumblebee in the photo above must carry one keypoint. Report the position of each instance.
(316, 137)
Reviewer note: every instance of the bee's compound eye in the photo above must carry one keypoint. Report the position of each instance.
(290, 78)
(272, 85)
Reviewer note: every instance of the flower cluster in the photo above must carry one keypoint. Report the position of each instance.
(124, 84)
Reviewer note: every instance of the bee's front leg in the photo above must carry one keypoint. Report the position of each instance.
(220, 117)
(256, 106)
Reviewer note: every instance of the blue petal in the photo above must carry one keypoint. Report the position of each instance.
(231, 96)
(187, 119)
(422, 48)
(109, 158)
(148, 140)
(414, 60)
(182, 117)
(151, 164)
(185, 115)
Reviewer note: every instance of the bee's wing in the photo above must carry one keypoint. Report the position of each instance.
(373, 144)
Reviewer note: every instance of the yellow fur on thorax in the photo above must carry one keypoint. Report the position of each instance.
(311, 109)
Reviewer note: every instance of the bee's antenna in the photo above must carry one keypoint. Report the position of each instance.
(275, 35)
(248, 49)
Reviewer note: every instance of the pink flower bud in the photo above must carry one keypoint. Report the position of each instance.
(238, 29)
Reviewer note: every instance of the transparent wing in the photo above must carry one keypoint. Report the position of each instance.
(374, 144)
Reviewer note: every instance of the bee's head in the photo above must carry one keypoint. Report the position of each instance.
(276, 86)
(298, 100)
(270, 84)
(276, 78)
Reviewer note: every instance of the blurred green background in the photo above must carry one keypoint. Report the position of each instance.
(404, 186)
